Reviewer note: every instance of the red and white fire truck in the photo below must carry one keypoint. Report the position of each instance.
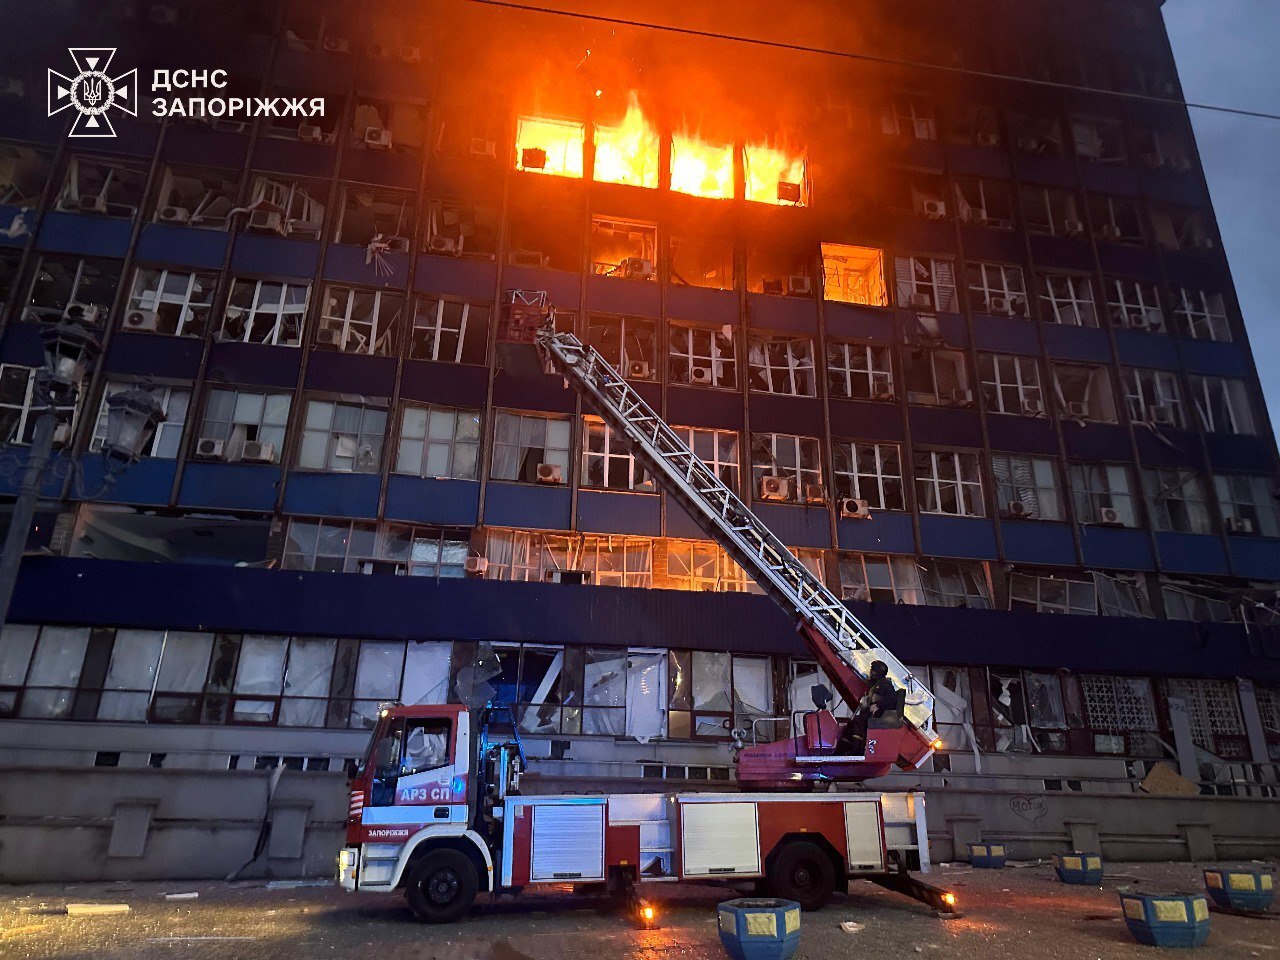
(436, 808)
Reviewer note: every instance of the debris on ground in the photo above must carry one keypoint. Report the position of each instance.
(850, 926)
(181, 896)
(295, 884)
(95, 909)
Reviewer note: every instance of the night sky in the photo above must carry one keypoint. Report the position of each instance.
(1228, 53)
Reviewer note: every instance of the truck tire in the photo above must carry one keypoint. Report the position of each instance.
(803, 872)
(441, 886)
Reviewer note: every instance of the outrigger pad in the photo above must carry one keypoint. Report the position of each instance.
(519, 359)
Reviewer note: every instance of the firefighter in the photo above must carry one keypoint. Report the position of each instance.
(880, 697)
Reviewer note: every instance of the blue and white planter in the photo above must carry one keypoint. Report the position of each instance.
(1083, 869)
(1166, 920)
(759, 928)
(1249, 890)
(988, 856)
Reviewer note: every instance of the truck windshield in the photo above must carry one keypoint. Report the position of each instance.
(407, 747)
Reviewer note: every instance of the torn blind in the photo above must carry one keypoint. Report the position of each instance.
(646, 715)
(56, 665)
(17, 640)
(711, 681)
(184, 662)
(306, 682)
(426, 673)
(135, 656)
(752, 689)
(604, 692)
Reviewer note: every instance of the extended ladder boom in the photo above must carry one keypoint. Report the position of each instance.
(842, 644)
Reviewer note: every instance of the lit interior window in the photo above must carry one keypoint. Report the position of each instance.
(628, 153)
(548, 146)
(853, 274)
(700, 168)
(775, 176)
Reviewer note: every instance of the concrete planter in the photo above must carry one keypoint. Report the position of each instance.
(1084, 869)
(759, 928)
(1166, 920)
(1240, 889)
(988, 856)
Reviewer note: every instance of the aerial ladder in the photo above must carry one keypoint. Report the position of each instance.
(817, 751)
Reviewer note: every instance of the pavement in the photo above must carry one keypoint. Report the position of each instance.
(1021, 912)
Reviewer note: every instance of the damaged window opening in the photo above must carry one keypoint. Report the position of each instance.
(702, 356)
(954, 583)
(1122, 715)
(1098, 139)
(1103, 494)
(1222, 405)
(1181, 228)
(530, 448)
(342, 546)
(235, 418)
(876, 578)
(629, 344)
(376, 217)
(360, 321)
(1051, 211)
(53, 670)
(780, 363)
(170, 302)
(10, 259)
(312, 129)
(1248, 504)
(997, 289)
(1027, 486)
(718, 449)
(167, 439)
(388, 126)
(922, 194)
(702, 262)
(448, 331)
(286, 207)
(703, 567)
(1158, 149)
(870, 472)
(1134, 305)
(610, 560)
(459, 230)
(795, 460)
(627, 152)
(972, 123)
(550, 146)
(60, 281)
(926, 283)
(17, 396)
(195, 197)
(607, 461)
(547, 237)
(1117, 220)
(774, 175)
(1177, 499)
(344, 435)
(907, 114)
(853, 274)
(936, 377)
(948, 482)
(780, 270)
(623, 248)
(1083, 393)
(699, 694)
(106, 187)
(1035, 134)
(1199, 603)
(1011, 384)
(438, 441)
(260, 311)
(465, 129)
(700, 168)
(1214, 711)
(24, 172)
(1067, 299)
(1202, 315)
(859, 371)
(1153, 397)
(985, 203)
(1052, 594)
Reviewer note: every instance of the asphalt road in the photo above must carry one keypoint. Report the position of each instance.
(1016, 912)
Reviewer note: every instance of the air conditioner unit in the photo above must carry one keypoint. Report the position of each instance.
(267, 220)
(1137, 321)
(569, 576)
(377, 138)
(1153, 160)
(481, 147)
(376, 50)
(411, 54)
(999, 307)
(398, 244)
(636, 268)
(526, 258)
(773, 487)
(920, 301)
(815, 493)
(851, 509)
(329, 335)
(1016, 509)
(174, 215)
(774, 287)
(700, 375)
(1032, 407)
(1109, 516)
(1109, 231)
(1160, 414)
(1078, 409)
(550, 473)
(789, 192)
(476, 565)
(337, 45)
(62, 435)
(882, 391)
(256, 451)
(310, 133)
(799, 286)
(86, 313)
(933, 210)
(447, 245)
(533, 158)
(143, 321)
(93, 204)
(961, 396)
(638, 369)
(210, 448)
(164, 16)
(1239, 525)
(988, 138)
(1073, 228)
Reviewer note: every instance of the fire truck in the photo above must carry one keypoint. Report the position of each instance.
(436, 808)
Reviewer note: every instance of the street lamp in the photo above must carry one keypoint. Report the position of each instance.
(71, 349)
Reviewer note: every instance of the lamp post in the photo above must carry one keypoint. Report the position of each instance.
(70, 351)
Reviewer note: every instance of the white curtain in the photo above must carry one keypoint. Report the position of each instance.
(426, 673)
(646, 696)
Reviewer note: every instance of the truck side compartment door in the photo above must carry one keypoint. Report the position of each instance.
(864, 837)
(720, 839)
(568, 841)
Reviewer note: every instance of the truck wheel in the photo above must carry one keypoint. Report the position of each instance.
(441, 886)
(802, 872)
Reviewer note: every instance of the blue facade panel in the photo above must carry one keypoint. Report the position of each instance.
(771, 413)
(182, 246)
(616, 295)
(275, 256)
(1235, 454)
(350, 373)
(22, 344)
(1215, 358)
(292, 156)
(1065, 253)
(230, 486)
(1095, 441)
(462, 278)
(1114, 548)
(533, 393)
(1018, 434)
(153, 355)
(964, 537)
(148, 481)
(1192, 553)
(796, 526)
(945, 426)
(1076, 343)
(700, 407)
(332, 494)
(769, 312)
(348, 264)
(527, 506)
(866, 420)
(90, 236)
(433, 500)
(456, 384)
(636, 513)
(563, 288)
(857, 322)
(254, 363)
(1038, 541)
(1137, 349)
(1005, 335)
(195, 143)
(885, 532)
(1255, 557)
(700, 303)
(679, 524)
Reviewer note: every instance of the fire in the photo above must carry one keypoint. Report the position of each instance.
(775, 176)
(554, 147)
(700, 168)
(628, 153)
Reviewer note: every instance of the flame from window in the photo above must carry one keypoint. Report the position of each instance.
(700, 168)
(546, 145)
(628, 153)
(775, 176)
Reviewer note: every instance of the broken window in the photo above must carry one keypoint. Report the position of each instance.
(376, 216)
(699, 694)
(53, 672)
(1221, 404)
(795, 461)
(378, 678)
(1116, 220)
(112, 188)
(877, 578)
(469, 127)
(1133, 304)
(752, 692)
(1083, 392)
(307, 676)
(1052, 594)
(1099, 139)
(1201, 315)
(702, 262)
(924, 195)
(388, 126)
(1051, 211)
(718, 449)
(926, 283)
(997, 289)
(1153, 397)
(10, 260)
(460, 230)
(629, 344)
(954, 583)
(623, 248)
(233, 418)
(1158, 149)
(438, 441)
(172, 302)
(18, 413)
(1035, 134)
(700, 566)
(1200, 603)
(360, 321)
(262, 311)
(184, 664)
(316, 128)
(1181, 228)
(605, 691)
(1067, 299)
(343, 435)
(936, 377)
(853, 275)
(24, 171)
(1103, 493)
(550, 146)
(870, 472)
(909, 114)
(607, 460)
(61, 281)
(948, 482)
(1213, 707)
(1011, 384)
(1027, 486)
(859, 371)
(702, 356)
(549, 688)
(545, 238)
(524, 444)
(426, 673)
(449, 331)
(627, 151)
(984, 203)
(287, 207)
(973, 123)
(781, 270)
(342, 546)
(521, 555)
(780, 363)
(126, 690)
(700, 168)
(194, 197)
(774, 175)
(1177, 499)
(167, 439)
(1248, 504)
(617, 561)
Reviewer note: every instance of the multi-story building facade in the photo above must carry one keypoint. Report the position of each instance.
(948, 307)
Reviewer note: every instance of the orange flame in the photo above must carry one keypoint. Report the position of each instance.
(628, 153)
(769, 170)
(561, 141)
(700, 168)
